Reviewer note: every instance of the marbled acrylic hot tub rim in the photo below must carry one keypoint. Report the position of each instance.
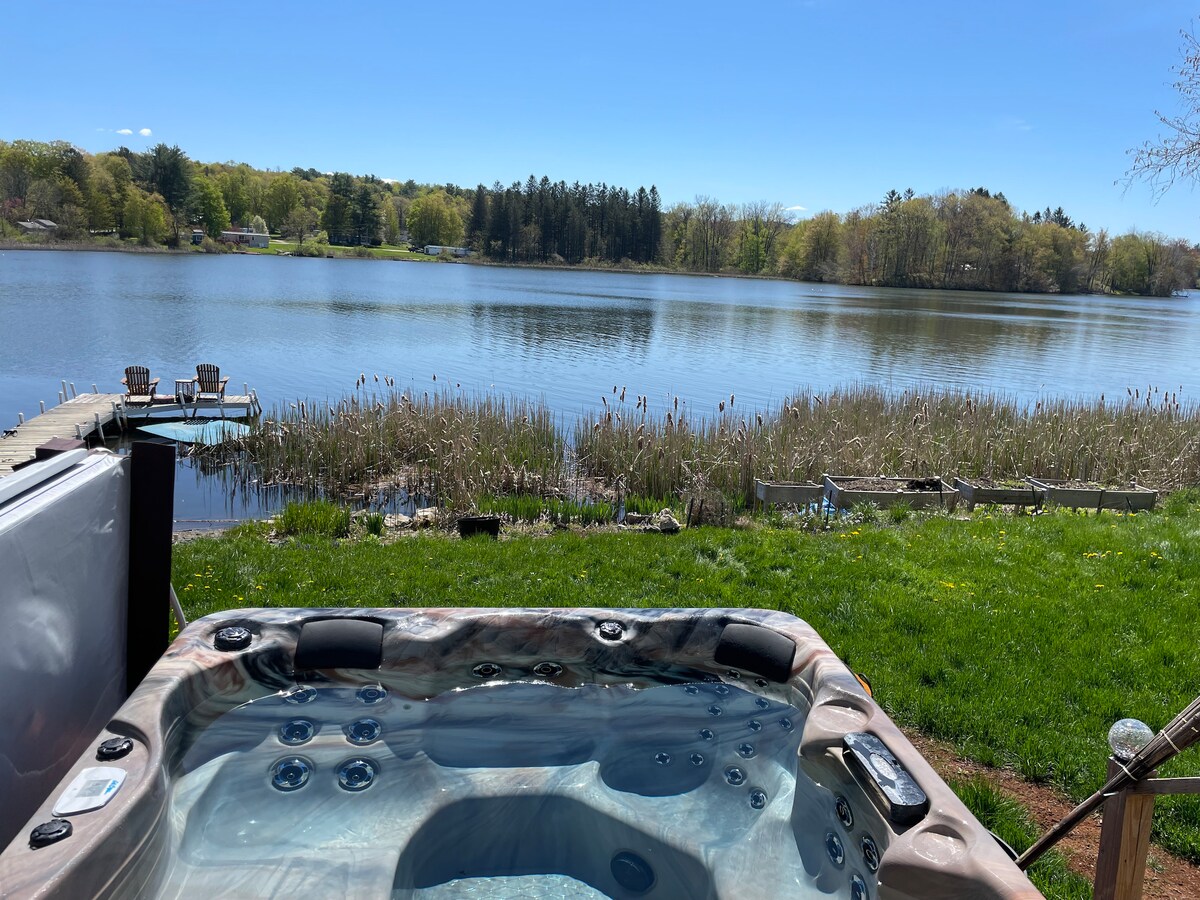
(947, 852)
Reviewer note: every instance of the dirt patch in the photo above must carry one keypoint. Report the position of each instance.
(932, 485)
(1011, 484)
(1167, 876)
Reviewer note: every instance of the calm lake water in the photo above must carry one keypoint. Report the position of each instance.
(305, 328)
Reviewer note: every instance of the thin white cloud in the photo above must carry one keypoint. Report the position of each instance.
(795, 209)
(1014, 123)
(144, 132)
(124, 131)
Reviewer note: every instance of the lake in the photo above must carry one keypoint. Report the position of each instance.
(305, 328)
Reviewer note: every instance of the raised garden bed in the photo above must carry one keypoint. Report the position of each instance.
(1089, 495)
(844, 491)
(788, 493)
(1000, 493)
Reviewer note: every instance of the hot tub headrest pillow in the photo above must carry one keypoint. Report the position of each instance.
(758, 649)
(339, 644)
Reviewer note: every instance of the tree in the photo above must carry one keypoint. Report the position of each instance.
(478, 223)
(391, 221)
(169, 173)
(365, 216)
(208, 206)
(235, 191)
(1176, 154)
(433, 219)
(300, 223)
(282, 196)
(258, 225)
(144, 218)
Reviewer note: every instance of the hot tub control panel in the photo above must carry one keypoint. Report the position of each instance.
(90, 789)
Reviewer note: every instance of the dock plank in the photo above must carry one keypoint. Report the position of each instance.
(77, 418)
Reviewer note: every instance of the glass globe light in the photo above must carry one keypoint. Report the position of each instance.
(1127, 737)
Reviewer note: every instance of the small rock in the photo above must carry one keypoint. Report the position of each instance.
(667, 523)
(397, 521)
(636, 519)
(426, 518)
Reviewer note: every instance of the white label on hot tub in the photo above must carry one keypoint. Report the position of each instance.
(90, 789)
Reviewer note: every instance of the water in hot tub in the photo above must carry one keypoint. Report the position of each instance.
(504, 789)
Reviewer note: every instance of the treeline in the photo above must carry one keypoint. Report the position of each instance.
(976, 240)
(967, 240)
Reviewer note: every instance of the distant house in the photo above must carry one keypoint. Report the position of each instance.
(437, 250)
(37, 226)
(247, 237)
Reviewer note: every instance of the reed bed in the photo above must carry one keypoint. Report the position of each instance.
(459, 449)
(1152, 438)
(452, 447)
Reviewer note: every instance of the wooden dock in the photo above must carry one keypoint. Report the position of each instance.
(101, 416)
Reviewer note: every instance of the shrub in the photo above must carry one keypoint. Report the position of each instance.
(374, 523)
(317, 517)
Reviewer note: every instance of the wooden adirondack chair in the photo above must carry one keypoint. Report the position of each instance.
(139, 384)
(209, 383)
(209, 386)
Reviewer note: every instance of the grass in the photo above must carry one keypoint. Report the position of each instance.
(532, 508)
(384, 251)
(315, 518)
(1019, 639)
(1008, 820)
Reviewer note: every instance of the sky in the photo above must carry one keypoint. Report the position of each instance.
(816, 104)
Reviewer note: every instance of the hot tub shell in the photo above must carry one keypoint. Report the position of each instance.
(122, 849)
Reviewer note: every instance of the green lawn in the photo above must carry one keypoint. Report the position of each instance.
(384, 251)
(1019, 639)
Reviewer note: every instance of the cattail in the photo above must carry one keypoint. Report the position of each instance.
(622, 393)
(721, 406)
(731, 401)
(604, 400)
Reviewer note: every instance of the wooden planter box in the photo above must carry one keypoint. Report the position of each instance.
(1096, 496)
(1000, 495)
(843, 497)
(788, 493)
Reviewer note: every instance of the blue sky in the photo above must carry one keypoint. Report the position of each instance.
(820, 104)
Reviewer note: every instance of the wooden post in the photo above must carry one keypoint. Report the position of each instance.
(1124, 843)
(42, 406)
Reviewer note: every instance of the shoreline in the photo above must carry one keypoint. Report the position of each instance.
(7, 244)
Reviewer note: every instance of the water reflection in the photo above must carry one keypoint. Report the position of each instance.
(541, 329)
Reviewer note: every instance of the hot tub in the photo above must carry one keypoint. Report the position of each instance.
(429, 753)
